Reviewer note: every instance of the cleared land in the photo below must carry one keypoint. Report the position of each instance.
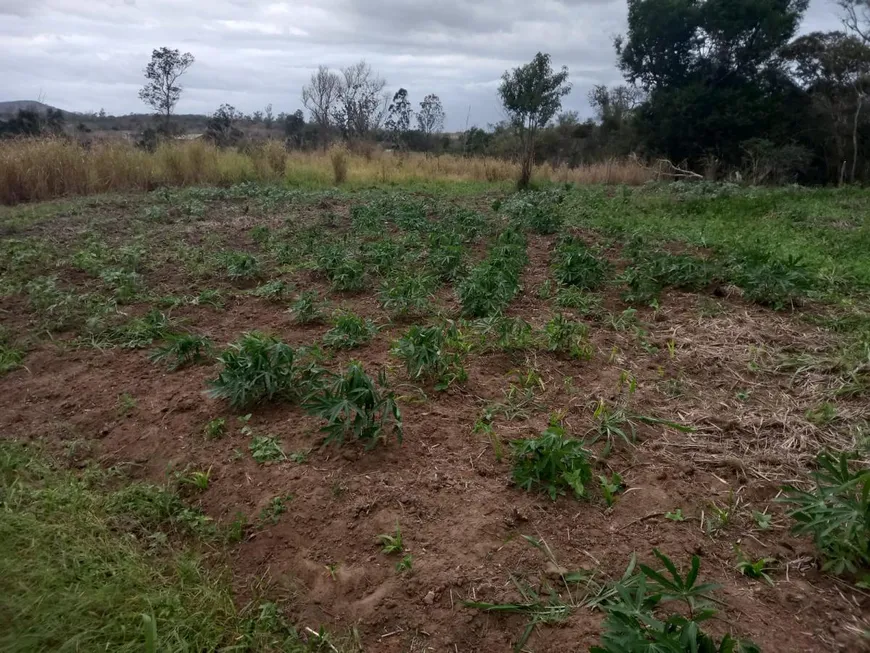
(690, 348)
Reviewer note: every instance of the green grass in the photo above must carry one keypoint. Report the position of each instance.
(86, 565)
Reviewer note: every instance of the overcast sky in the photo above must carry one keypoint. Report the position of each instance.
(83, 55)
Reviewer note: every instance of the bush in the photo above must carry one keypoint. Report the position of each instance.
(836, 513)
(350, 331)
(183, 349)
(535, 211)
(493, 283)
(552, 462)
(772, 282)
(406, 294)
(354, 405)
(652, 272)
(259, 368)
(425, 352)
(305, 309)
(241, 265)
(338, 160)
(566, 336)
(575, 265)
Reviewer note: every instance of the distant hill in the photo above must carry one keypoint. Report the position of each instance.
(10, 108)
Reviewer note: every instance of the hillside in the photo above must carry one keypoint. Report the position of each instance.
(9, 108)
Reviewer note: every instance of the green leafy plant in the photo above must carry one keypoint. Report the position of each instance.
(345, 272)
(407, 294)
(305, 309)
(552, 462)
(259, 368)
(182, 349)
(493, 283)
(354, 405)
(349, 331)
(392, 542)
(272, 511)
(216, 429)
(405, 564)
(266, 449)
(637, 620)
(566, 336)
(610, 487)
(426, 354)
(274, 290)
(836, 512)
(676, 515)
(241, 265)
(767, 280)
(196, 479)
(574, 264)
(755, 569)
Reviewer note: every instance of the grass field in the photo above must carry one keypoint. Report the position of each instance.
(436, 416)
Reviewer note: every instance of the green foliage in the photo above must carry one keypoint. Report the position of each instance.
(774, 282)
(354, 405)
(183, 349)
(651, 272)
(552, 462)
(259, 368)
(392, 543)
(610, 487)
(504, 333)
(536, 211)
(585, 303)
(266, 449)
(638, 621)
(345, 272)
(426, 352)
(755, 569)
(349, 331)
(493, 283)
(276, 507)
(215, 429)
(574, 264)
(139, 332)
(11, 355)
(240, 265)
(836, 512)
(305, 309)
(274, 290)
(612, 424)
(566, 336)
(406, 294)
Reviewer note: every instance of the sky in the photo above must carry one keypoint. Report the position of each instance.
(84, 55)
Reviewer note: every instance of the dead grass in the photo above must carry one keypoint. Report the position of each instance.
(42, 169)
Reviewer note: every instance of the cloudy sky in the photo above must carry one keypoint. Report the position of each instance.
(83, 55)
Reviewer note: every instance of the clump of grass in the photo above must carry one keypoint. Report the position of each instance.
(836, 512)
(392, 542)
(404, 294)
(354, 405)
(344, 271)
(11, 356)
(567, 336)
(241, 265)
(216, 428)
(274, 290)
(338, 160)
(553, 463)
(266, 449)
(349, 331)
(182, 350)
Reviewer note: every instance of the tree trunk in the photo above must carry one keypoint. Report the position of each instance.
(855, 137)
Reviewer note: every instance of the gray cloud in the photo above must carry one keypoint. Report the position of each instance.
(82, 56)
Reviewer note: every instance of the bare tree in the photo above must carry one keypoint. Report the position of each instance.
(362, 102)
(320, 97)
(856, 18)
(161, 90)
(430, 118)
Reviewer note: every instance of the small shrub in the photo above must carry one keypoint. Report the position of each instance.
(552, 462)
(486, 291)
(574, 264)
(392, 543)
(354, 405)
(770, 281)
(585, 303)
(183, 349)
(140, 331)
(241, 265)
(305, 309)
(566, 336)
(510, 333)
(349, 331)
(274, 290)
(407, 294)
(258, 368)
(216, 429)
(425, 352)
(345, 273)
(638, 622)
(535, 211)
(836, 512)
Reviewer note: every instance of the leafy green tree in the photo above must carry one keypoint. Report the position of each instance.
(221, 126)
(531, 95)
(712, 73)
(162, 90)
(399, 118)
(431, 116)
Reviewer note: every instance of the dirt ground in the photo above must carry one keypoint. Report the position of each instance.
(461, 518)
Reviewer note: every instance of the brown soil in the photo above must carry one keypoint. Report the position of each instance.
(460, 516)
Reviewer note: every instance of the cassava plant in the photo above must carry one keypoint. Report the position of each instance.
(552, 462)
(426, 352)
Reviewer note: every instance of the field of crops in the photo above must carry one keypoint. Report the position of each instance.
(584, 418)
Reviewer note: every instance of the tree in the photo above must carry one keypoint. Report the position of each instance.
(531, 96)
(833, 68)
(268, 117)
(361, 100)
(294, 127)
(430, 118)
(257, 117)
(856, 17)
(399, 118)
(320, 97)
(162, 91)
(221, 126)
(712, 73)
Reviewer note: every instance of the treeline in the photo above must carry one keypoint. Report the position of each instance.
(714, 89)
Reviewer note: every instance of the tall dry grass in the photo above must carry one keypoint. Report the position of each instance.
(37, 169)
